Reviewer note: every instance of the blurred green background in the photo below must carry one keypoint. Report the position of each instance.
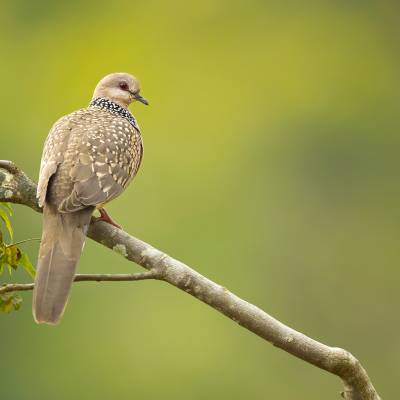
(271, 166)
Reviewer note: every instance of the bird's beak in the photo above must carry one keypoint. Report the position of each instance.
(138, 97)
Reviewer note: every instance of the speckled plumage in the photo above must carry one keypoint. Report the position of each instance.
(93, 154)
(89, 158)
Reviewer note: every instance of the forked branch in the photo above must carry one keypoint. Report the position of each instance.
(17, 187)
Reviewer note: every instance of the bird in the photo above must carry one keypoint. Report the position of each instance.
(89, 157)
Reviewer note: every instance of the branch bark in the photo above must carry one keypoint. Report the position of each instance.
(17, 187)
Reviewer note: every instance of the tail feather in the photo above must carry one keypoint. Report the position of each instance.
(60, 249)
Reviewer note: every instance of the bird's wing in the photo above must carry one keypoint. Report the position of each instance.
(53, 155)
(89, 157)
(107, 158)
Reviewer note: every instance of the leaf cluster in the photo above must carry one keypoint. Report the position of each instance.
(11, 258)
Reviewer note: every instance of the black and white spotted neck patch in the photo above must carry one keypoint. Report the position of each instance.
(114, 108)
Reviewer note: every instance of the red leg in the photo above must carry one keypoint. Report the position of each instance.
(104, 216)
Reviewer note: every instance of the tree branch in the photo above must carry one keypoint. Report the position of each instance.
(139, 276)
(17, 187)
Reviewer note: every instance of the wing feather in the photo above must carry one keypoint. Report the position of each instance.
(92, 156)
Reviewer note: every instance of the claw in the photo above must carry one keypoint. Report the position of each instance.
(104, 216)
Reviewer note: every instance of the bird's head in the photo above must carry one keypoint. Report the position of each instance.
(121, 88)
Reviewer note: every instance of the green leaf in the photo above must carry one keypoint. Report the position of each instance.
(6, 219)
(25, 262)
(17, 301)
(10, 302)
(10, 257)
(3, 260)
(13, 254)
(2, 248)
(8, 207)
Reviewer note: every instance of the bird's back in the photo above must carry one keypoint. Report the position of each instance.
(89, 157)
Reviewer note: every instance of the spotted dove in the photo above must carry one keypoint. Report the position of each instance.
(89, 158)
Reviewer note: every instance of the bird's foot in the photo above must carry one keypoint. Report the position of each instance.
(104, 216)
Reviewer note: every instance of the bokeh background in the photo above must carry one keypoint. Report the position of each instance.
(271, 166)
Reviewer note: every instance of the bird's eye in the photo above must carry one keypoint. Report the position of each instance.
(123, 86)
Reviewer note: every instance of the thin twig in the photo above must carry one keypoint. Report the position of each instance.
(139, 276)
(23, 241)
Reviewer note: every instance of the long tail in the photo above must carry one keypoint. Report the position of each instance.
(63, 238)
